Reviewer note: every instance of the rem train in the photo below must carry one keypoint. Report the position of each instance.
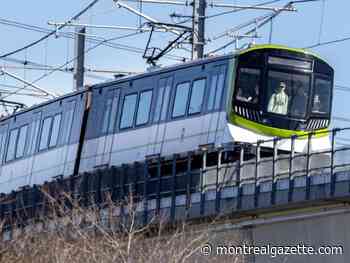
(259, 93)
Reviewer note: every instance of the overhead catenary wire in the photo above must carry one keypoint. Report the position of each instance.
(89, 38)
(51, 33)
(330, 42)
(241, 9)
(261, 24)
(70, 61)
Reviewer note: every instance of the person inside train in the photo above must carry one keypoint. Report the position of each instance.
(298, 102)
(250, 95)
(278, 102)
(321, 99)
(254, 97)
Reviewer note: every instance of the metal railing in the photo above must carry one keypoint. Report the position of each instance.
(194, 179)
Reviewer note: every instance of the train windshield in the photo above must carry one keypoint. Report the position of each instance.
(283, 88)
(288, 93)
(248, 85)
(321, 102)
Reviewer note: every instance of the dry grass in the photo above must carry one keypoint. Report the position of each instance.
(82, 235)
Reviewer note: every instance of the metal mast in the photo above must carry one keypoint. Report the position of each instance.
(198, 28)
(80, 55)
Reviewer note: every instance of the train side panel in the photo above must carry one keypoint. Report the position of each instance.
(109, 143)
(41, 143)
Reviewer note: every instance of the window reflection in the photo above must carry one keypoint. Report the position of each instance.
(181, 98)
(322, 95)
(128, 111)
(248, 85)
(288, 93)
(21, 141)
(197, 95)
(44, 138)
(55, 130)
(12, 145)
(144, 107)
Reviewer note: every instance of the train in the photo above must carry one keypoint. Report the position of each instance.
(259, 93)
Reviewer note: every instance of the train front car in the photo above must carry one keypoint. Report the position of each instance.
(280, 92)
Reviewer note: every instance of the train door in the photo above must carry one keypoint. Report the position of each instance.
(160, 113)
(3, 135)
(131, 143)
(109, 119)
(214, 108)
(184, 127)
(33, 140)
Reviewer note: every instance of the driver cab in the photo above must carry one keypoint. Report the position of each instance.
(286, 89)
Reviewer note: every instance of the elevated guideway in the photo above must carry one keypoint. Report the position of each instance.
(231, 184)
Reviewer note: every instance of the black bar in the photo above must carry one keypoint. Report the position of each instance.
(308, 154)
(145, 193)
(98, 193)
(273, 192)
(173, 188)
(333, 179)
(308, 179)
(291, 156)
(217, 186)
(203, 173)
(188, 184)
(257, 162)
(291, 190)
(256, 174)
(159, 163)
(240, 165)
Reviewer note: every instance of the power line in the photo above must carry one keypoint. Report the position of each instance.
(89, 38)
(329, 42)
(341, 119)
(342, 88)
(237, 10)
(261, 24)
(51, 33)
(71, 60)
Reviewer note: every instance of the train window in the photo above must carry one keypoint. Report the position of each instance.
(219, 90)
(21, 142)
(106, 115)
(166, 99)
(197, 95)
(162, 100)
(321, 102)
(159, 104)
(294, 63)
(11, 149)
(128, 111)
(211, 99)
(114, 109)
(248, 85)
(69, 122)
(2, 139)
(45, 132)
(181, 99)
(34, 133)
(55, 130)
(144, 107)
(3, 135)
(288, 93)
(158, 109)
(215, 92)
